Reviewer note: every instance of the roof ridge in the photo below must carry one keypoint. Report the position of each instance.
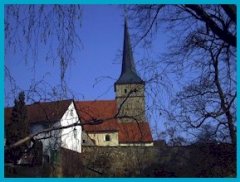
(38, 102)
(112, 100)
(48, 102)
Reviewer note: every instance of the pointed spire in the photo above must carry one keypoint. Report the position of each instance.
(128, 74)
(127, 61)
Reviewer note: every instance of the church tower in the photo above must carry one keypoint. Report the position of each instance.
(129, 88)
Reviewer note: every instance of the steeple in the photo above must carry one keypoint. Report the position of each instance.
(128, 74)
(134, 102)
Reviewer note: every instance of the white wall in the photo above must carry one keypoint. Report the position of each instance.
(46, 142)
(61, 138)
(68, 140)
(99, 138)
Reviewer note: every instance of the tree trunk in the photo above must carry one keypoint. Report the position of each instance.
(222, 97)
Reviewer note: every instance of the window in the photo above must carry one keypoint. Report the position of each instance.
(75, 133)
(83, 141)
(125, 90)
(107, 138)
(71, 112)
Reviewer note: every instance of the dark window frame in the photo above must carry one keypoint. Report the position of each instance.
(107, 138)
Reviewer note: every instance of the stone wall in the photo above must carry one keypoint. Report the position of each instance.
(134, 106)
(162, 161)
(117, 161)
(100, 138)
(202, 160)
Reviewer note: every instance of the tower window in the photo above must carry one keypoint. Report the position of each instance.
(107, 138)
(125, 90)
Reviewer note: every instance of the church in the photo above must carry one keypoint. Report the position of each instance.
(118, 122)
(129, 125)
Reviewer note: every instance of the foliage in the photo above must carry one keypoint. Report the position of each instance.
(202, 52)
(17, 129)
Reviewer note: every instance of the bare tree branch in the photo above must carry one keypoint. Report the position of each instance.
(223, 34)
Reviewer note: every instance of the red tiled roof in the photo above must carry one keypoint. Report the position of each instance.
(42, 111)
(134, 132)
(128, 132)
(89, 110)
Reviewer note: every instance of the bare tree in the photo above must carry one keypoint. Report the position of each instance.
(202, 55)
(53, 29)
(219, 20)
(205, 48)
(210, 97)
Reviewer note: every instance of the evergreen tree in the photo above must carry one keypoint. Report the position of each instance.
(18, 128)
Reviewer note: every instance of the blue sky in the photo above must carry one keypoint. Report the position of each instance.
(97, 63)
(96, 66)
(101, 35)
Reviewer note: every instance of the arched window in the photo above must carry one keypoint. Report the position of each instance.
(107, 138)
